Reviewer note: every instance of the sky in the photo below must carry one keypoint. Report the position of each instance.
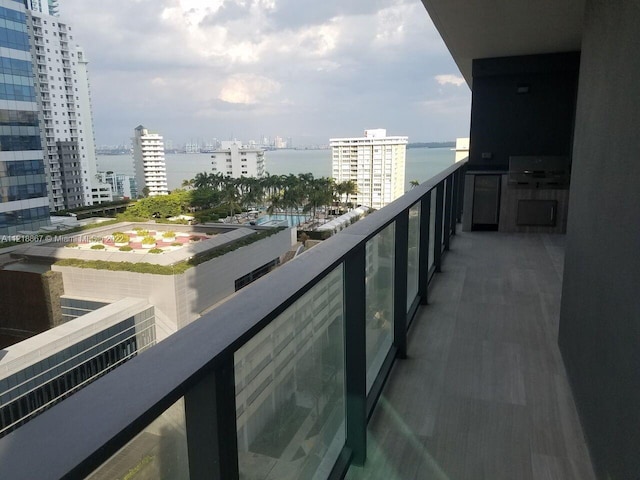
(203, 69)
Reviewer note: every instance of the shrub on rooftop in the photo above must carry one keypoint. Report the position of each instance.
(120, 239)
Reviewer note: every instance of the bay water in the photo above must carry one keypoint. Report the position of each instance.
(421, 164)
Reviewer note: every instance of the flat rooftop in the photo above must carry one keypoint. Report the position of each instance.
(53, 248)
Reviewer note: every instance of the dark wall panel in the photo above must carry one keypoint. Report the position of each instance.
(23, 304)
(522, 106)
(600, 316)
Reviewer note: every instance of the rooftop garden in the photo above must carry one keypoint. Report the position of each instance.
(139, 240)
(175, 269)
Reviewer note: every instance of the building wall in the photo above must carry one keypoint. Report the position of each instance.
(507, 122)
(85, 124)
(600, 316)
(209, 283)
(178, 298)
(121, 185)
(45, 369)
(235, 160)
(63, 98)
(18, 322)
(73, 182)
(23, 198)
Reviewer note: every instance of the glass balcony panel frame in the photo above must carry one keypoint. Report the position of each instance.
(380, 271)
(290, 388)
(159, 451)
(413, 256)
(432, 229)
(96, 438)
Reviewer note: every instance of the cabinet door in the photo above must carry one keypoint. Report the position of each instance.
(486, 200)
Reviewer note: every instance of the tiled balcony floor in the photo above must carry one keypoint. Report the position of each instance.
(483, 394)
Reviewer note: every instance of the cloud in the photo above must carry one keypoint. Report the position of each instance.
(274, 67)
(456, 80)
(247, 89)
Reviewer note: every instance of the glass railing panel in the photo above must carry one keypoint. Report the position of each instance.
(432, 229)
(413, 258)
(290, 396)
(159, 451)
(379, 300)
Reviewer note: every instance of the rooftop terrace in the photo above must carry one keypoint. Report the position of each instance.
(54, 247)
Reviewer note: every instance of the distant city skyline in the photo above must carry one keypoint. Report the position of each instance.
(230, 69)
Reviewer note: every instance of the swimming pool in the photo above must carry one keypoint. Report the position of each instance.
(292, 220)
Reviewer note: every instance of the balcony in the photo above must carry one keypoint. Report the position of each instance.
(478, 384)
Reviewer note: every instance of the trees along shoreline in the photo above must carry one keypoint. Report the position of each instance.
(208, 196)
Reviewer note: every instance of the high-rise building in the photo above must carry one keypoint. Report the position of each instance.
(122, 186)
(48, 7)
(23, 202)
(62, 89)
(148, 160)
(374, 162)
(235, 160)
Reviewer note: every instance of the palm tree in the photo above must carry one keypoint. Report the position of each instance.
(231, 198)
(253, 192)
(215, 180)
(275, 203)
(201, 180)
(350, 188)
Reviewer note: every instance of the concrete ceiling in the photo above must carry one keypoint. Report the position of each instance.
(499, 28)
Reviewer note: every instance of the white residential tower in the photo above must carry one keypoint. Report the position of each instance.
(235, 160)
(66, 124)
(374, 162)
(148, 160)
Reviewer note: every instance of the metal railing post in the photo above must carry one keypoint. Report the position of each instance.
(459, 209)
(210, 408)
(423, 272)
(400, 271)
(356, 354)
(454, 202)
(447, 212)
(437, 243)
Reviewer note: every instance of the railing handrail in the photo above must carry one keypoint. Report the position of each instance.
(78, 434)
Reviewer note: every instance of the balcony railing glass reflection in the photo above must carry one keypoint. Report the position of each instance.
(289, 378)
(413, 255)
(379, 300)
(276, 382)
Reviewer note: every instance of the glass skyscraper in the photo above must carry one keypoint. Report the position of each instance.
(24, 205)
